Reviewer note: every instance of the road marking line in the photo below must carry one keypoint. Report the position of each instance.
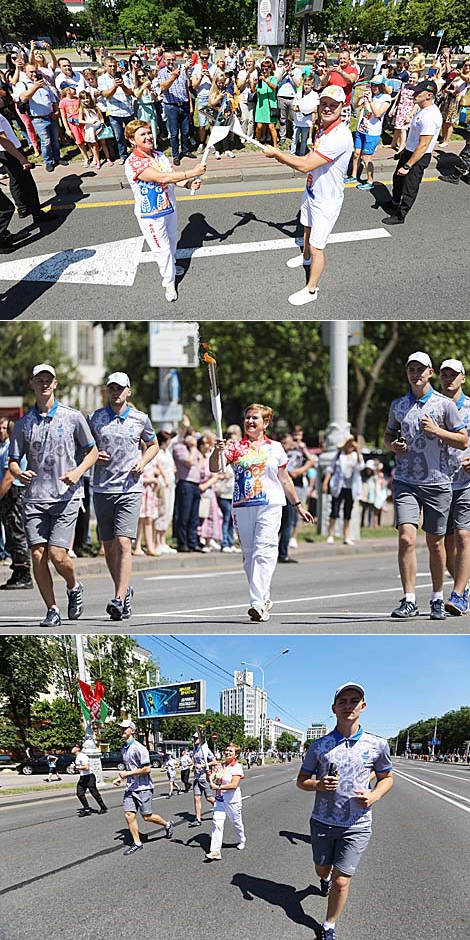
(442, 774)
(466, 809)
(183, 577)
(254, 192)
(272, 244)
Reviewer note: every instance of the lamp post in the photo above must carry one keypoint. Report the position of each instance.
(262, 671)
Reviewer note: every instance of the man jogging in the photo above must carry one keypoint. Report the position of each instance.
(203, 759)
(119, 430)
(87, 781)
(421, 427)
(337, 769)
(139, 787)
(457, 540)
(59, 448)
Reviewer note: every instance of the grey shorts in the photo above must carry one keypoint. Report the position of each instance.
(333, 845)
(51, 523)
(409, 499)
(139, 801)
(459, 516)
(117, 514)
(202, 786)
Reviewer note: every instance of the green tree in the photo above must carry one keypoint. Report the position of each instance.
(114, 664)
(25, 674)
(286, 741)
(250, 743)
(23, 345)
(177, 26)
(64, 656)
(135, 18)
(53, 17)
(19, 18)
(56, 724)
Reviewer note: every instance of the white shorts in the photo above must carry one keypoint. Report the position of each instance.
(320, 218)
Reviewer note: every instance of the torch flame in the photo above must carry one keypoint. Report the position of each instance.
(207, 356)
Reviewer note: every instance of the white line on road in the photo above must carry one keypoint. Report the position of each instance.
(441, 773)
(273, 244)
(182, 577)
(422, 786)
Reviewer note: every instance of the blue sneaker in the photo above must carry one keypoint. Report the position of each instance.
(115, 609)
(127, 606)
(365, 186)
(133, 848)
(457, 604)
(438, 611)
(52, 619)
(75, 602)
(328, 934)
(349, 179)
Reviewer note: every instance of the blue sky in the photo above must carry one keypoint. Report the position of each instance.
(406, 678)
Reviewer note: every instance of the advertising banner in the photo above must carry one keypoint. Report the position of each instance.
(271, 22)
(169, 701)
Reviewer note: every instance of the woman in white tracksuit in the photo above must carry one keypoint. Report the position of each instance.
(152, 179)
(262, 484)
(225, 780)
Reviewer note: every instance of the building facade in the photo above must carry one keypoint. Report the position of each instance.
(276, 727)
(316, 731)
(247, 700)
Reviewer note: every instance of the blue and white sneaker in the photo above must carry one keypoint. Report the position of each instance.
(457, 604)
(328, 933)
(75, 602)
(438, 611)
(127, 608)
(325, 885)
(52, 619)
(115, 609)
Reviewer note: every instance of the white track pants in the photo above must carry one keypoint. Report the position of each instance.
(258, 531)
(162, 237)
(233, 811)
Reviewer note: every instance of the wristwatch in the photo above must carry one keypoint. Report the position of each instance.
(406, 166)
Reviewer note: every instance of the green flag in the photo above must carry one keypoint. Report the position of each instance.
(104, 709)
(84, 708)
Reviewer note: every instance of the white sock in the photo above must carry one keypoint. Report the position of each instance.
(410, 597)
(74, 587)
(437, 596)
(328, 925)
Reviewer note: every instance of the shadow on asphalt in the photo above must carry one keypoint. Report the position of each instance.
(279, 895)
(295, 837)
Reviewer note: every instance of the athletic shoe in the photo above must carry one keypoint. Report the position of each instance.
(217, 155)
(213, 544)
(330, 540)
(133, 848)
(179, 271)
(52, 619)
(169, 828)
(75, 598)
(438, 611)
(236, 550)
(349, 179)
(268, 604)
(229, 153)
(212, 150)
(84, 812)
(103, 810)
(213, 856)
(176, 161)
(200, 149)
(406, 610)
(170, 293)
(18, 583)
(121, 161)
(393, 220)
(226, 549)
(348, 542)
(325, 885)
(457, 604)
(450, 179)
(255, 612)
(241, 845)
(304, 296)
(297, 261)
(293, 543)
(196, 822)
(328, 934)
(115, 609)
(365, 186)
(127, 608)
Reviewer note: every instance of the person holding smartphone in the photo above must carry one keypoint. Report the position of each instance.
(174, 86)
(201, 80)
(43, 110)
(337, 769)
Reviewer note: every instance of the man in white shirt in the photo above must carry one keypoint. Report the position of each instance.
(86, 781)
(113, 87)
(67, 78)
(201, 81)
(422, 137)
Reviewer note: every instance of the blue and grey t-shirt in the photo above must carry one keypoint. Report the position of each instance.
(460, 478)
(53, 444)
(120, 436)
(354, 758)
(201, 757)
(427, 459)
(135, 756)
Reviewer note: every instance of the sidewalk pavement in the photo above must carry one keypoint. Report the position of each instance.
(247, 166)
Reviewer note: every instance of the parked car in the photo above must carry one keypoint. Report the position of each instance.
(157, 758)
(113, 759)
(6, 760)
(65, 765)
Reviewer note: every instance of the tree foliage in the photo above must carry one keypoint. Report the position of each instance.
(286, 741)
(453, 730)
(56, 725)
(23, 345)
(25, 673)
(114, 664)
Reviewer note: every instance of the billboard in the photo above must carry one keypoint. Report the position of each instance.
(271, 22)
(169, 701)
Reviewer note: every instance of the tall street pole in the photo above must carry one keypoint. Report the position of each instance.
(89, 746)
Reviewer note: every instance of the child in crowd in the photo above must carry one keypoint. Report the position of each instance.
(91, 119)
(69, 108)
(374, 104)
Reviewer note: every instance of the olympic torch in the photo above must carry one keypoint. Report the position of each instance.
(216, 403)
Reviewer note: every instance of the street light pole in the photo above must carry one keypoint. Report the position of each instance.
(262, 671)
(89, 746)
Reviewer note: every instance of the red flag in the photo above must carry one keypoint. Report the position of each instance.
(87, 692)
(99, 691)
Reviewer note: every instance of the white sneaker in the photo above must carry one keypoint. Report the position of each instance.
(293, 543)
(236, 550)
(241, 845)
(213, 544)
(212, 150)
(165, 549)
(330, 540)
(268, 604)
(213, 856)
(227, 549)
(348, 542)
(255, 612)
(297, 261)
(179, 271)
(229, 153)
(170, 293)
(304, 296)
(217, 155)
(200, 149)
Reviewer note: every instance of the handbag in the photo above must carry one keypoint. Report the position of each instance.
(104, 133)
(204, 507)
(274, 112)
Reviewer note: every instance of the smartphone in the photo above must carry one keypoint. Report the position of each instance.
(333, 770)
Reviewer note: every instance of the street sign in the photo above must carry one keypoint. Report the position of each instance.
(440, 33)
(302, 7)
(355, 332)
(166, 413)
(173, 343)
(386, 35)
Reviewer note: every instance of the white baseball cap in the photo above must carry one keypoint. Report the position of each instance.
(421, 357)
(349, 685)
(453, 364)
(43, 367)
(119, 378)
(127, 724)
(335, 92)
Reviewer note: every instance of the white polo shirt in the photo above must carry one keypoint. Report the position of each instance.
(325, 185)
(6, 128)
(428, 121)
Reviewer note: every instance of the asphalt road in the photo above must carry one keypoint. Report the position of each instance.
(67, 877)
(338, 591)
(414, 271)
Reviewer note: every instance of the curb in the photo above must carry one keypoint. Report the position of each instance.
(40, 796)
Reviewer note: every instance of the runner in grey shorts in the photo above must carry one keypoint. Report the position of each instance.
(422, 428)
(119, 430)
(457, 541)
(337, 769)
(203, 759)
(59, 448)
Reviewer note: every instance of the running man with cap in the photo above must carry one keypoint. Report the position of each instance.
(337, 769)
(203, 759)
(457, 540)
(59, 448)
(119, 430)
(139, 787)
(422, 426)
(326, 167)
